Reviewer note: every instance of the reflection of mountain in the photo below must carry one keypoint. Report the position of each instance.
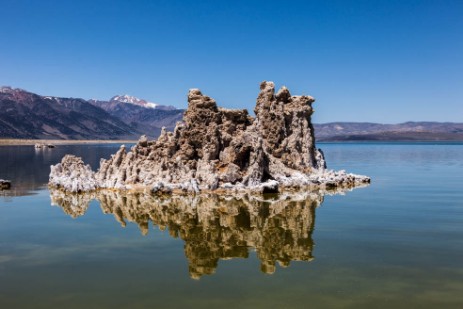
(215, 227)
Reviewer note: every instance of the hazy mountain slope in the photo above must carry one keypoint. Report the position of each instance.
(27, 115)
(147, 120)
(355, 131)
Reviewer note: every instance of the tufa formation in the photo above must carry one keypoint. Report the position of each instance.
(218, 149)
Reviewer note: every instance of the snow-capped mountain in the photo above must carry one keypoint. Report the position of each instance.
(143, 116)
(140, 102)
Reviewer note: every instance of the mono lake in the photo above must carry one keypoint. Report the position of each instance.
(397, 243)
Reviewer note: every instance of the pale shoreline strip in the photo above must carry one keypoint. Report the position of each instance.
(27, 142)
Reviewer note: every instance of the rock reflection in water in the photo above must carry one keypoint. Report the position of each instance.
(215, 227)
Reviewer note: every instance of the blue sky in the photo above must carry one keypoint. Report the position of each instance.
(377, 61)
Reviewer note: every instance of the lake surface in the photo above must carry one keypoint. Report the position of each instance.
(397, 243)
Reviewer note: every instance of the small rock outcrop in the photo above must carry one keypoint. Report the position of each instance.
(43, 146)
(5, 184)
(218, 149)
(72, 175)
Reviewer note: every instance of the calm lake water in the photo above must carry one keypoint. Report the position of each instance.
(395, 244)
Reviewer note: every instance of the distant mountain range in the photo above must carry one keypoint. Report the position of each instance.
(27, 115)
(144, 117)
(408, 131)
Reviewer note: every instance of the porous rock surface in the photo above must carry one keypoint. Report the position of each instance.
(218, 149)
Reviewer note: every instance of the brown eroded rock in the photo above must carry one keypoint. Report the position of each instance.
(215, 148)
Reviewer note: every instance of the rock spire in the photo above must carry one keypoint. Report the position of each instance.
(218, 149)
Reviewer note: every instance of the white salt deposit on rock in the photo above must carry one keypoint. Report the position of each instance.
(72, 175)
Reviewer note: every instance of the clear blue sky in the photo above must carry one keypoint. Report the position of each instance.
(379, 61)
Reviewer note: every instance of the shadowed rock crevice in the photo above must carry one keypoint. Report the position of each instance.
(216, 148)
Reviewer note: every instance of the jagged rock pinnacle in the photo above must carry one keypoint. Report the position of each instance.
(216, 148)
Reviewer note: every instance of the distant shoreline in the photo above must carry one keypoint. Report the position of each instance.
(456, 142)
(32, 142)
(26, 142)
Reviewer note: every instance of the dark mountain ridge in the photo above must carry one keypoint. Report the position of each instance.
(28, 115)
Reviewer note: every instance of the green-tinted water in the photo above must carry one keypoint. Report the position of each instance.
(397, 243)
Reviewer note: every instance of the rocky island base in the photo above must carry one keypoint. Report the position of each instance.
(215, 149)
